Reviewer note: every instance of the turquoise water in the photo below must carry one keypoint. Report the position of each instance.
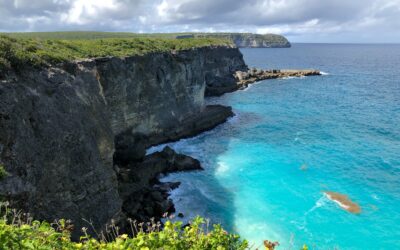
(344, 126)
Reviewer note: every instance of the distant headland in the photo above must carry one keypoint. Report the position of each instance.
(241, 40)
(246, 40)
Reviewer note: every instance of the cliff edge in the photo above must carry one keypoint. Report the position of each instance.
(59, 124)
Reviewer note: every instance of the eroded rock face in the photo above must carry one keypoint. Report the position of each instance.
(56, 143)
(57, 126)
(152, 94)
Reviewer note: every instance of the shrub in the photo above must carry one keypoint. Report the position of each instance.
(19, 52)
(18, 231)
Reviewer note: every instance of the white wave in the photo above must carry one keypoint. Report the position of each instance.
(289, 77)
(324, 73)
(375, 197)
(319, 203)
(157, 148)
(222, 168)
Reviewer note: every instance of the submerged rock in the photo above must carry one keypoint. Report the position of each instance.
(344, 202)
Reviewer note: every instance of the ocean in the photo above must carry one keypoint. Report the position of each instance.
(267, 168)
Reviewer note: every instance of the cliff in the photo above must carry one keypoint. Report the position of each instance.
(249, 40)
(60, 126)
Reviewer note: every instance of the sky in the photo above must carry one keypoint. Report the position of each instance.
(354, 21)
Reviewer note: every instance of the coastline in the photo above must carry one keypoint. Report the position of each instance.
(102, 160)
(252, 76)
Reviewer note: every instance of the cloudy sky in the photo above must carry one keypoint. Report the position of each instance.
(299, 20)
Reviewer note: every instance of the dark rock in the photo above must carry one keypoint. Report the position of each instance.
(129, 148)
(149, 211)
(185, 163)
(58, 148)
(179, 162)
(180, 215)
(157, 196)
(167, 186)
(210, 117)
(148, 192)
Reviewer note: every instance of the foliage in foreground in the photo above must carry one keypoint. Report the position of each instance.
(20, 232)
(17, 52)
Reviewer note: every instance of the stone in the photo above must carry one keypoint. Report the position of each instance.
(129, 148)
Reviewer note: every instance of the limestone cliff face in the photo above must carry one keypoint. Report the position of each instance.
(57, 125)
(153, 93)
(248, 40)
(57, 146)
(260, 41)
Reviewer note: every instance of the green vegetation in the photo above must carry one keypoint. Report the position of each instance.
(19, 232)
(3, 172)
(17, 52)
(88, 35)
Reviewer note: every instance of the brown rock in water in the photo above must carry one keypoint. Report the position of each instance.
(344, 202)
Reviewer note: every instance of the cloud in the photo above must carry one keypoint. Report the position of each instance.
(301, 20)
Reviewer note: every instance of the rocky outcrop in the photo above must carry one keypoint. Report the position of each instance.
(254, 75)
(58, 124)
(243, 78)
(144, 196)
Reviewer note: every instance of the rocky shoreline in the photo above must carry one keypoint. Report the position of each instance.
(243, 78)
(144, 196)
(73, 136)
(155, 196)
(255, 75)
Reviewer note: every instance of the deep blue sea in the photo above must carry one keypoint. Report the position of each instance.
(291, 139)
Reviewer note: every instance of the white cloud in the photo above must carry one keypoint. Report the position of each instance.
(337, 20)
(84, 11)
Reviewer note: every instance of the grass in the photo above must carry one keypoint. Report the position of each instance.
(88, 35)
(19, 231)
(15, 52)
(271, 39)
(3, 172)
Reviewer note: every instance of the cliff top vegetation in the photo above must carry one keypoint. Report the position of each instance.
(39, 51)
(79, 35)
(19, 231)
